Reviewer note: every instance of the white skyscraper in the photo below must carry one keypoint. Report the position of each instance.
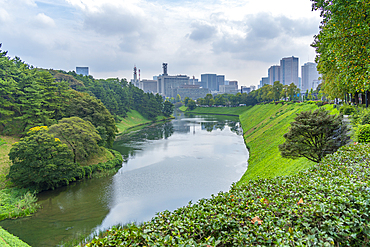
(274, 74)
(289, 71)
(310, 76)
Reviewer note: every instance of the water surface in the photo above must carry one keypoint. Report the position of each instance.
(166, 166)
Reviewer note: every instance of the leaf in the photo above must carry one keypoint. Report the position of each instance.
(300, 201)
(256, 219)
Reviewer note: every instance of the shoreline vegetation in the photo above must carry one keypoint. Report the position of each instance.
(134, 119)
(278, 201)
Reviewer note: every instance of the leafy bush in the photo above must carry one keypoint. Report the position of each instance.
(2, 142)
(326, 205)
(314, 134)
(41, 161)
(17, 203)
(366, 118)
(10, 240)
(362, 133)
(347, 109)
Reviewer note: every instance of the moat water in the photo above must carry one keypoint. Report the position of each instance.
(166, 166)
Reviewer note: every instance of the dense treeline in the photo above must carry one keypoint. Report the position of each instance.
(118, 96)
(343, 50)
(32, 97)
(266, 93)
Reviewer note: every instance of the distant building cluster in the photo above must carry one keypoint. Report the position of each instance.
(173, 85)
(287, 73)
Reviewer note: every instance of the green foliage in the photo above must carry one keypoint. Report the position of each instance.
(347, 109)
(167, 108)
(81, 137)
(362, 133)
(324, 206)
(7, 239)
(191, 104)
(263, 130)
(41, 161)
(17, 203)
(342, 46)
(93, 110)
(313, 135)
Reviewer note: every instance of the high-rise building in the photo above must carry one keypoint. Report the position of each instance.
(82, 71)
(220, 81)
(264, 81)
(209, 81)
(167, 84)
(274, 74)
(310, 76)
(289, 71)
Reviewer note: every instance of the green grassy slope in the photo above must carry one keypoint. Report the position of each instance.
(264, 127)
(133, 119)
(221, 110)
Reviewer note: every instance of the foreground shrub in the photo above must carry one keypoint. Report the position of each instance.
(314, 134)
(328, 205)
(347, 109)
(41, 161)
(362, 133)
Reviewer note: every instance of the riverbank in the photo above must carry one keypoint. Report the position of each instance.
(135, 119)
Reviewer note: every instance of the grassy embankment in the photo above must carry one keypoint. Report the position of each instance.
(135, 119)
(231, 111)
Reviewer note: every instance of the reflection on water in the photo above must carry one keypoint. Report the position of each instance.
(166, 166)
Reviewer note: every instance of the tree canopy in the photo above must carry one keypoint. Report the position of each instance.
(343, 46)
(313, 135)
(80, 136)
(41, 161)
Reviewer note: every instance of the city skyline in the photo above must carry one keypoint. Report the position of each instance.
(236, 38)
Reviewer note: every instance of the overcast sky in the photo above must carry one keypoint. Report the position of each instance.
(239, 39)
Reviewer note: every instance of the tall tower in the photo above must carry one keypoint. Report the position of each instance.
(165, 69)
(135, 74)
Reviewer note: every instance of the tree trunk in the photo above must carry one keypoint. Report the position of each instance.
(363, 98)
(356, 98)
(367, 98)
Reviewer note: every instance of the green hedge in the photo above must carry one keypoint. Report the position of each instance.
(327, 205)
(7, 239)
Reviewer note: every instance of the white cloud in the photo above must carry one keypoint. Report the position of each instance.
(4, 16)
(44, 20)
(228, 37)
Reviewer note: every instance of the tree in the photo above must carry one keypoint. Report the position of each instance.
(93, 110)
(313, 135)
(81, 137)
(41, 161)
(292, 91)
(178, 98)
(277, 88)
(167, 108)
(191, 104)
(342, 46)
